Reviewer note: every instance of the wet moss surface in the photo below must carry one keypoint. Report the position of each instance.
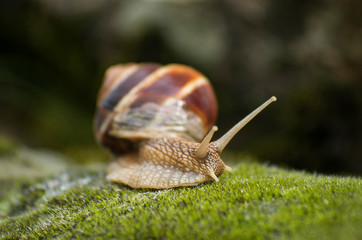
(255, 201)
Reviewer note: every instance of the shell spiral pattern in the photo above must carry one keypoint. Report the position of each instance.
(141, 101)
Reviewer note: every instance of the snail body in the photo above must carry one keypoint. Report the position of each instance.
(153, 118)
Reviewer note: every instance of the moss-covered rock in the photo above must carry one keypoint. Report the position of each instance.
(255, 201)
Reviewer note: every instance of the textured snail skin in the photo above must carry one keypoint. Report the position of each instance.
(152, 118)
(166, 163)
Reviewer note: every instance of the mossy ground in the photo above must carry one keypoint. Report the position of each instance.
(255, 201)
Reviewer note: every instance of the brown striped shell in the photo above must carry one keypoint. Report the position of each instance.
(143, 101)
(154, 119)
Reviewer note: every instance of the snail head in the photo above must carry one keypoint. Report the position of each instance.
(207, 147)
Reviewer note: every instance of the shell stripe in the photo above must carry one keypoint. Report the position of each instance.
(203, 102)
(191, 86)
(198, 106)
(123, 87)
(170, 84)
(114, 76)
(134, 94)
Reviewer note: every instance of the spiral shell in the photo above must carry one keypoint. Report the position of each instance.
(148, 100)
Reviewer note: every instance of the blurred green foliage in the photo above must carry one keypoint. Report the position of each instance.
(307, 53)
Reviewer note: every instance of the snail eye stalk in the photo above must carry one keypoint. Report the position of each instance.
(201, 151)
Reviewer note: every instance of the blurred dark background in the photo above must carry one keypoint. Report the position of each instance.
(53, 54)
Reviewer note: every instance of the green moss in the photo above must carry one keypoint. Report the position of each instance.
(253, 202)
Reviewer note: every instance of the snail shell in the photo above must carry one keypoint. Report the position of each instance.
(153, 118)
(144, 101)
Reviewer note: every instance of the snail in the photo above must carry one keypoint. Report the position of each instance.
(158, 122)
